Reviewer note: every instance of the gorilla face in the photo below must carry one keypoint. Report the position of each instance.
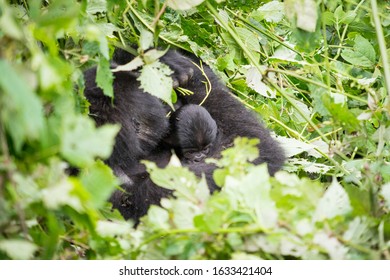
(193, 133)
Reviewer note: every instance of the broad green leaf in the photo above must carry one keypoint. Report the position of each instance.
(335, 249)
(360, 231)
(385, 192)
(146, 39)
(21, 109)
(341, 114)
(272, 11)
(157, 218)
(184, 213)
(99, 181)
(252, 192)
(308, 166)
(104, 77)
(153, 55)
(294, 147)
(180, 179)
(216, 212)
(59, 15)
(335, 202)
(362, 54)
(61, 194)
(96, 6)
(344, 17)
(130, 66)
(254, 81)
(155, 79)
(250, 40)
(113, 228)
(183, 4)
(82, 142)
(8, 23)
(305, 12)
(18, 249)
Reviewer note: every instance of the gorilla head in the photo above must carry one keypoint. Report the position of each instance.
(193, 133)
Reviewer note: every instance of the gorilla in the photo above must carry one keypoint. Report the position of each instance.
(194, 132)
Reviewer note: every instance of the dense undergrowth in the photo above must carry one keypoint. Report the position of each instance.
(317, 73)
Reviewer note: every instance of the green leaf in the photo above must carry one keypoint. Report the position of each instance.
(61, 194)
(8, 23)
(146, 39)
(155, 79)
(272, 11)
(341, 114)
(252, 191)
(255, 82)
(335, 202)
(99, 181)
(363, 53)
(183, 4)
(59, 15)
(82, 142)
(385, 192)
(18, 249)
(96, 6)
(113, 228)
(305, 12)
(104, 77)
(250, 40)
(21, 109)
(180, 179)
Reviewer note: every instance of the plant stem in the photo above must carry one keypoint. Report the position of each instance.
(382, 44)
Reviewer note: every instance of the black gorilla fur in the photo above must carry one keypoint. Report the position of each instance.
(145, 128)
(193, 133)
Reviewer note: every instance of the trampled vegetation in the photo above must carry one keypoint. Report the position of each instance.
(316, 71)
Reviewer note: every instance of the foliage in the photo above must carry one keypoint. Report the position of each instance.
(317, 72)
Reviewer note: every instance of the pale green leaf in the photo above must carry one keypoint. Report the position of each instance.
(82, 142)
(104, 77)
(305, 12)
(96, 6)
(130, 66)
(113, 228)
(362, 54)
(155, 79)
(21, 109)
(272, 11)
(99, 181)
(157, 218)
(254, 81)
(18, 249)
(385, 192)
(183, 4)
(253, 192)
(293, 147)
(359, 231)
(335, 202)
(335, 249)
(61, 194)
(146, 39)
